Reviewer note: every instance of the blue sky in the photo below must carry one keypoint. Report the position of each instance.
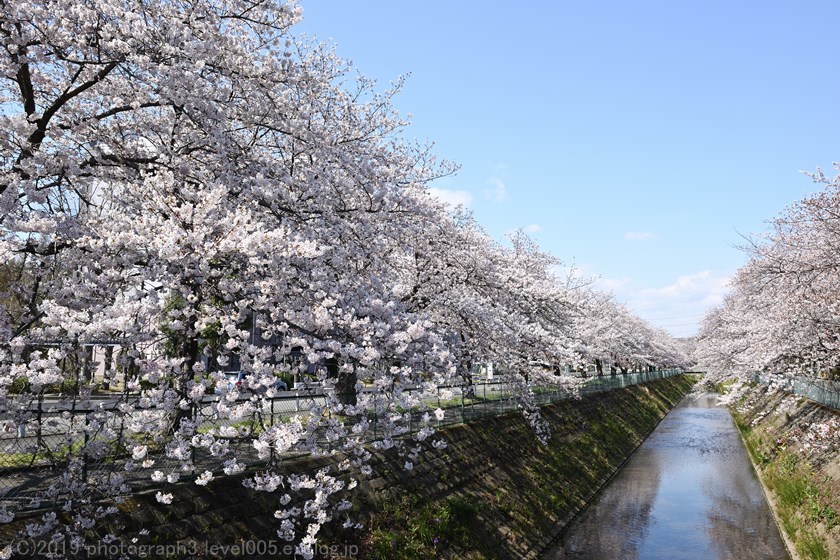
(637, 140)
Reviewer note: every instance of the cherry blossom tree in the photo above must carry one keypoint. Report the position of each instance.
(193, 184)
(615, 340)
(783, 314)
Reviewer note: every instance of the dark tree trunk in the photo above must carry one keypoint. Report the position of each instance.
(189, 350)
(106, 372)
(345, 384)
(87, 359)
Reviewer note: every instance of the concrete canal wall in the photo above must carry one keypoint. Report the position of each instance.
(688, 492)
(794, 444)
(494, 492)
(513, 495)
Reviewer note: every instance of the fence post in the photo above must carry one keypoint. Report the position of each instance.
(271, 424)
(38, 433)
(192, 447)
(410, 417)
(84, 451)
(502, 397)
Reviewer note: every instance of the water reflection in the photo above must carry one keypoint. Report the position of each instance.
(689, 492)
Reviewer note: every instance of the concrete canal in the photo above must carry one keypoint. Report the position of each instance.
(688, 492)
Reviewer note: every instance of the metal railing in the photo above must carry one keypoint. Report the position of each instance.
(33, 453)
(823, 391)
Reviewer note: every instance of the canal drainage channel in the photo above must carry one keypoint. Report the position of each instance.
(562, 533)
(688, 491)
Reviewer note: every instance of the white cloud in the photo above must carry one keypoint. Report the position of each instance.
(639, 236)
(677, 307)
(703, 286)
(451, 197)
(612, 284)
(499, 191)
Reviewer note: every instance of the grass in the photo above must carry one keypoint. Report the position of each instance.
(253, 425)
(801, 504)
(16, 460)
(61, 453)
(411, 528)
(57, 455)
(723, 386)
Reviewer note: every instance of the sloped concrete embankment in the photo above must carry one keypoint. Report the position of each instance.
(494, 492)
(794, 444)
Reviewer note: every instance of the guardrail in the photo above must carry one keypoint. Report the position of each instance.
(32, 453)
(823, 391)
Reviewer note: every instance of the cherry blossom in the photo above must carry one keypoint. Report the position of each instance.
(782, 315)
(185, 186)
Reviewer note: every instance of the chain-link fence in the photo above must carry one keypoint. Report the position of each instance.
(42, 435)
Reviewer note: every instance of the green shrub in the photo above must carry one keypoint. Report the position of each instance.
(18, 386)
(287, 377)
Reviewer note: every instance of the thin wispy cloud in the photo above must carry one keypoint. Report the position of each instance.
(703, 288)
(499, 191)
(677, 307)
(612, 284)
(639, 236)
(451, 197)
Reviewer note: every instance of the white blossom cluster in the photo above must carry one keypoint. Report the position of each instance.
(193, 184)
(822, 436)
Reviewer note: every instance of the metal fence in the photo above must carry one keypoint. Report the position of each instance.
(34, 452)
(823, 391)
(491, 398)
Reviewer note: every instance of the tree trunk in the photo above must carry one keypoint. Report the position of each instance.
(345, 384)
(106, 372)
(189, 351)
(87, 359)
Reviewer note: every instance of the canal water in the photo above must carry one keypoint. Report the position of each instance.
(689, 492)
